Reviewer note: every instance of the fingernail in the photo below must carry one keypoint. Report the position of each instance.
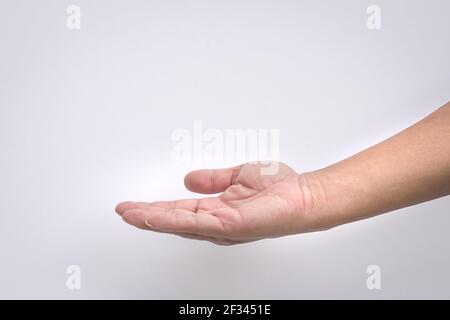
(148, 224)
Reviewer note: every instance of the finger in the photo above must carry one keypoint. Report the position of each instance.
(184, 221)
(211, 180)
(138, 219)
(217, 241)
(193, 236)
(127, 205)
(174, 221)
(187, 204)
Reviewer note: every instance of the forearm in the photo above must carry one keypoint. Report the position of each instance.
(411, 167)
(408, 168)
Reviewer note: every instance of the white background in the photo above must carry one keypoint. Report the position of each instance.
(86, 119)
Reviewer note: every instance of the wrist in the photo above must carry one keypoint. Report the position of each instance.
(320, 205)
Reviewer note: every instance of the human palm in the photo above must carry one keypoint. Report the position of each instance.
(252, 206)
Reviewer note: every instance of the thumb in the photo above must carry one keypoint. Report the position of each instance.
(211, 180)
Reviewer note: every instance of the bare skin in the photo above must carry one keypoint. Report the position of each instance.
(408, 168)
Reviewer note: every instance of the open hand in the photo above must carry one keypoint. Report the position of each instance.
(251, 206)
